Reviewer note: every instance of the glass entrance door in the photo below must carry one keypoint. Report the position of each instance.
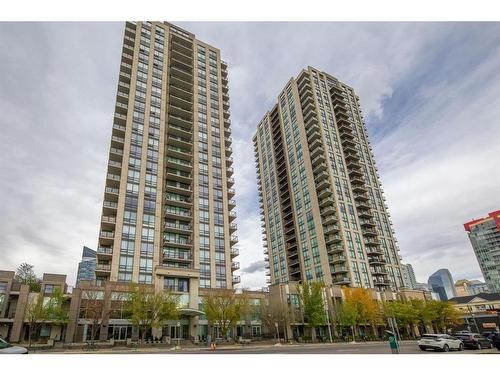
(120, 333)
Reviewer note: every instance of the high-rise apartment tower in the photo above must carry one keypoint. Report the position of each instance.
(323, 213)
(484, 236)
(167, 216)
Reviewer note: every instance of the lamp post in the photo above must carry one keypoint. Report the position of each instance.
(325, 300)
(178, 331)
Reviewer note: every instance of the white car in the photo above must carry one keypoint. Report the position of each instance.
(6, 348)
(444, 343)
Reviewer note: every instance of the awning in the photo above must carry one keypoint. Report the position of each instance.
(190, 312)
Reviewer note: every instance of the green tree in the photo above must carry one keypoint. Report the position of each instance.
(42, 309)
(312, 305)
(223, 308)
(405, 314)
(26, 276)
(149, 309)
(441, 314)
(347, 316)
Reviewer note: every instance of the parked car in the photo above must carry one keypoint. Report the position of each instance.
(440, 342)
(474, 340)
(6, 348)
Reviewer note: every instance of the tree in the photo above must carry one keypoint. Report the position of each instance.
(348, 316)
(367, 309)
(223, 308)
(150, 309)
(312, 305)
(93, 310)
(442, 314)
(277, 312)
(42, 309)
(404, 312)
(26, 276)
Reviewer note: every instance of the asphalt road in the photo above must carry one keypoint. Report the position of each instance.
(358, 348)
(407, 347)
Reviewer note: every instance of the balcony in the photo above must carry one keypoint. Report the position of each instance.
(330, 219)
(175, 214)
(178, 228)
(235, 266)
(103, 267)
(234, 239)
(104, 250)
(332, 238)
(111, 205)
(108, 219)
(234, 252)
(233, 227)
(333, 249)
(236, 280)
(177, 256)
(373, 250)
(111, 190)
(341, 280)
(337, 259)
(339, 270)
(113, 177)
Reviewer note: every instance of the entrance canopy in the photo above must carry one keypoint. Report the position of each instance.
(190, 312)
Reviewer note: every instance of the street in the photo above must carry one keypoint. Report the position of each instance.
(407, 347)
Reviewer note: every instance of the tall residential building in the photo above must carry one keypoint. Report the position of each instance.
(167, 216)
(323, 213)
(442, 283)
(86, 268)
(484, 235)
(409, 276)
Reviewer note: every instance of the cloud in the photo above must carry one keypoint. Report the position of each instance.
(254, 267)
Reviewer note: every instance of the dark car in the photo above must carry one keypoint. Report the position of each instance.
(474, 340)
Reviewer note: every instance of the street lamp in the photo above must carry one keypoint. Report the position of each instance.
(177, 334)
(325, 300)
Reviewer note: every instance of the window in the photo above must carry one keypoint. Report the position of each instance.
(176, 284)
(128, 231)
(130, 217)
(126, 263)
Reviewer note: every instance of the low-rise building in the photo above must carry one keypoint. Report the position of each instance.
(481, 312)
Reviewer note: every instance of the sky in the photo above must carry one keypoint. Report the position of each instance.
(429, 93)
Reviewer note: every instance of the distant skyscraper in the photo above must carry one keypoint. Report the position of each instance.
(322, 205)
(442, 283)
(86, 268)
(484, 235)
(409, 276)
(167, 215)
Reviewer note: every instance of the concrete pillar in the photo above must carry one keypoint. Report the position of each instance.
(74, 309)
(193, 327)
(17, 326)
(103, 333)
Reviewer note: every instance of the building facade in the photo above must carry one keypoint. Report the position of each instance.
(168, 209)
(470, 287)
(323, 213)
(484, 235)
(14, 299)
(442, 283)
(481, 312)
(86, 268)
(409, 276)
